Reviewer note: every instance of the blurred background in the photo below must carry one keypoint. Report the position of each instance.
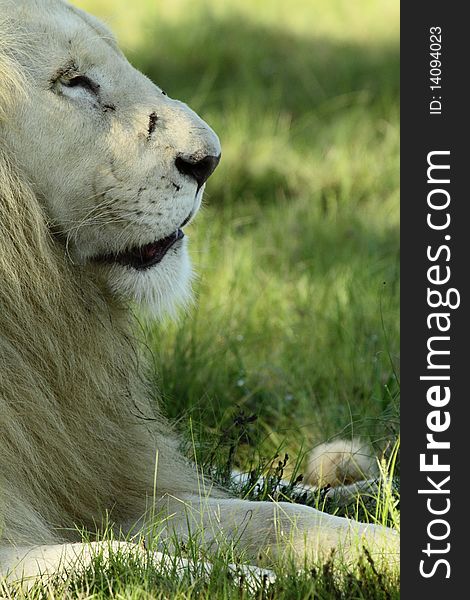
(294, 337)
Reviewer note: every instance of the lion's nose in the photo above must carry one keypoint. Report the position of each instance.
(200, 170)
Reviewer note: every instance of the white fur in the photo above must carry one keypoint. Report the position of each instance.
(159, 290)
(340, 462)
(116, 187)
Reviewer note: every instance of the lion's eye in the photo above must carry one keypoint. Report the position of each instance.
(81, 81)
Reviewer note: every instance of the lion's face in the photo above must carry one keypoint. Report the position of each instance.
(119, 166)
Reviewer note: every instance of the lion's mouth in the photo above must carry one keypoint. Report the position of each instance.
(143, 257)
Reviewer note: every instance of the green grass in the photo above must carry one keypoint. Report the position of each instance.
(294, 336)
(296, 320)
(133, 579)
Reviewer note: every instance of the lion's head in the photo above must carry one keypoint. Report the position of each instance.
(118, 167)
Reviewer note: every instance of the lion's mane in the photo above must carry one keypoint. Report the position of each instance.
(79, 432)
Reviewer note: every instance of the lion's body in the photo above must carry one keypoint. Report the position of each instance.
(80, 433)
(73, 393)
(78, 424)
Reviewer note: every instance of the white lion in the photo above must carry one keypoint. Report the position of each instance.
(99, 173)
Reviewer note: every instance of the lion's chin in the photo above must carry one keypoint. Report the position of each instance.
(162, 290)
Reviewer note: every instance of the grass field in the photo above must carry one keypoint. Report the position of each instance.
(294, 336)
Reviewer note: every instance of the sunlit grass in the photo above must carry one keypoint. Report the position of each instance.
(193, 569)
(135, 578)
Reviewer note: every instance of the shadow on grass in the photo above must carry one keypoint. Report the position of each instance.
(306, 216)
(239, 61)
(280, 101)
